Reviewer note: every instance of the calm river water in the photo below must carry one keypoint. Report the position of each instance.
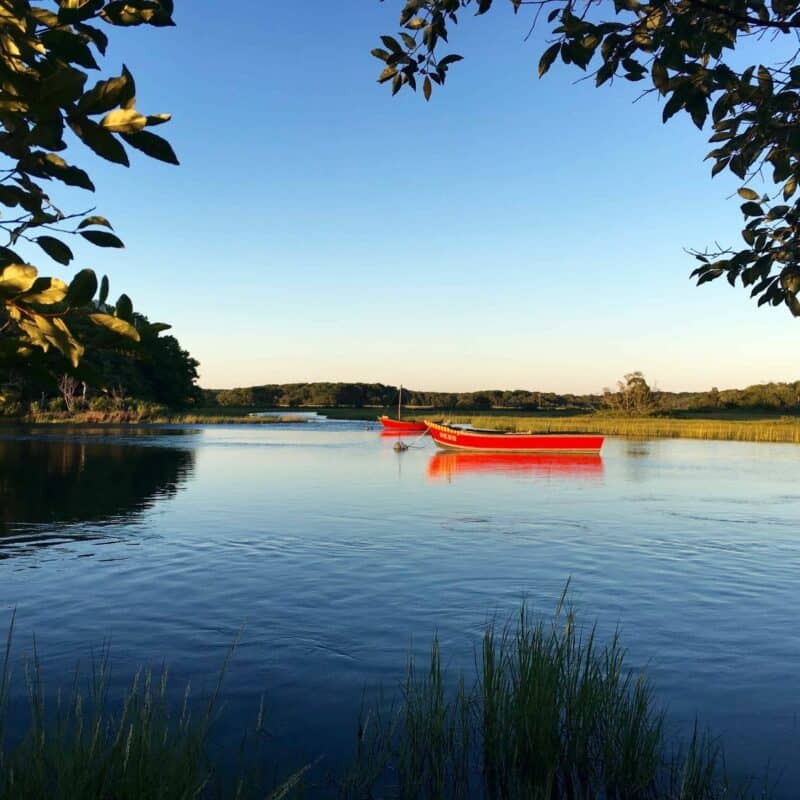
(335, 556)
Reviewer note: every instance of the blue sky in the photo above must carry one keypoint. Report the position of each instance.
(512, 233)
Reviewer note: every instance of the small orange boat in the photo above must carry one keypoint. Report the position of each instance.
(450, 438)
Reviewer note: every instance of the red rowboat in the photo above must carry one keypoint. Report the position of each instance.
(401, 425)
(451, 438)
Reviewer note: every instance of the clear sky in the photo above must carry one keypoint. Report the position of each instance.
(512, 233)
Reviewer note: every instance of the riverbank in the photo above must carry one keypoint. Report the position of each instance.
(146, 417)
(724, 425)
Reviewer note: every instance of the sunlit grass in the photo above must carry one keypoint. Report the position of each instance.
(784, 429)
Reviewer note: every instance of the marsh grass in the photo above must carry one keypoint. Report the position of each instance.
(552, 715)
(783, 429)
(82, 746)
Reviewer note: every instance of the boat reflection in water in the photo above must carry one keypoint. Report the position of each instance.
(447, 465)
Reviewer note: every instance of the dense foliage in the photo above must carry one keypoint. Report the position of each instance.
(114, 373)
(633, 395)
(45, 53)
(685, 50)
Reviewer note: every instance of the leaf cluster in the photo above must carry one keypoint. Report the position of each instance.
(682, 51)
(46, 53)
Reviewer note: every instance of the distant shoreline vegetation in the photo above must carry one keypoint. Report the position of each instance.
(760, 413)
(632, 397)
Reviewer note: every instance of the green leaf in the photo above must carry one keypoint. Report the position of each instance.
(11, 196)
(789, 187)
(752, 209)
(56, 167)
(157, 119)
(55, 248)
(69, 46)
(98, 38)
(672, 106)
(548, 57)
(116, 325)
(82, 288)
(63, 86)
(104, 96)
(103, 296)
(124, 120)
(102, 239)
(124, 308)
(660, 76)
(46, 332)
(392, 44)
(152, 145)
(17, 278)
(46, 292)
(95, 220)
(100, 140)
(77, 10)
(765, 80)
(747, 194)
(427, 88)
(388, 73)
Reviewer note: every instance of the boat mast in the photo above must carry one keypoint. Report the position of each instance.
(399, 400)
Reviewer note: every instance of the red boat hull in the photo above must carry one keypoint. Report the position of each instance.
(401, 426)
(457, 439)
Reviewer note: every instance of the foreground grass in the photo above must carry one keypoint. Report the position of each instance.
(550, 714)
(81, 746)
(783, 429)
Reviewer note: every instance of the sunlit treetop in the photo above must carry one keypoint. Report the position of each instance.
(682, 51)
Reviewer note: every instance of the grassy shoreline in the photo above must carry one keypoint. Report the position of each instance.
(126, 418)
(549, 712)
(724, 425)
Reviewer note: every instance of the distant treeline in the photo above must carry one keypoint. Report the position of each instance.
(378, 395)
(785, 396)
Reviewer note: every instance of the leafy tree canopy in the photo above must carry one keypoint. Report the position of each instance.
(682, 50)
(46, 53)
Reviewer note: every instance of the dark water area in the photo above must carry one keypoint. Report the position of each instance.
(332, 557)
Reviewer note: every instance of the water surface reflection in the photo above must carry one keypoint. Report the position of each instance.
(447, 466)
(47, 483)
